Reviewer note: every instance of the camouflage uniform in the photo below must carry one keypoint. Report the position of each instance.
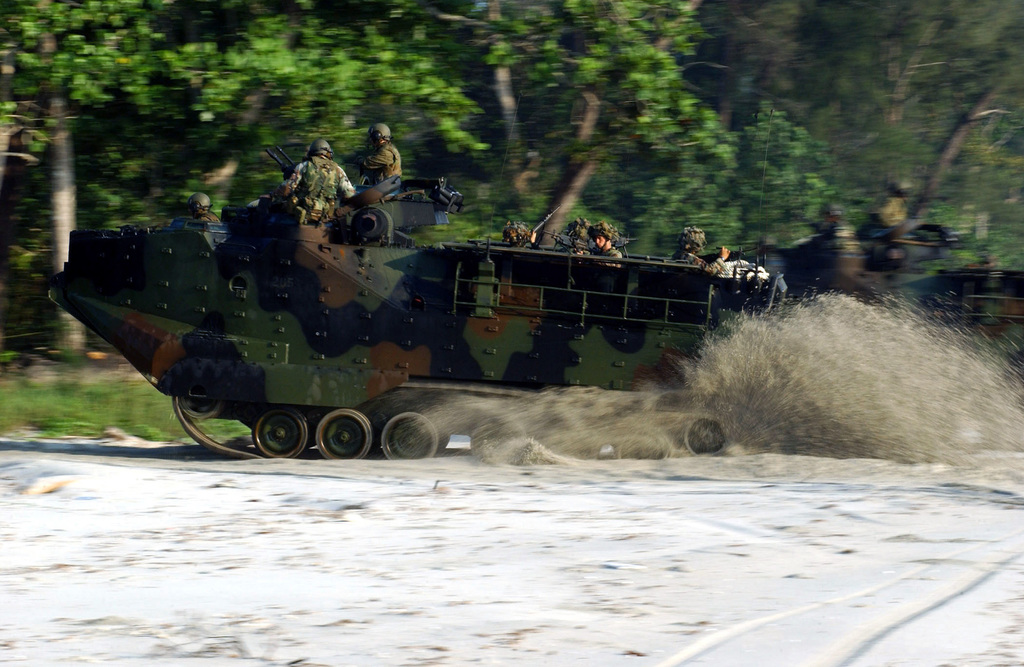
(692, 241)
(383, 163)
(516, 233)
(602, 228)
(314, 189)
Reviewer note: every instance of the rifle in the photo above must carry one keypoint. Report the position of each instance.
(546, 218)
(281, 158)
(576, 246)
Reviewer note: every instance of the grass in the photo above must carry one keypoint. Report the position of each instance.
(86, 404)
(86, 408)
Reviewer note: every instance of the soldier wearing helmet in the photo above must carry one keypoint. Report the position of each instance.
(518, 234)
(894, 210)
(691, 242)
(604, 236)
(833, 234)
(315, 187)
(384, 161)
(199, 208)
(576, 238)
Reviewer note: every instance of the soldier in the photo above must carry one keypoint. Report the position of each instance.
(691, 242)
(315, 187)
(385, 161)
(577, 235)
(199, 207)
(518, 234)
(834, 233)
(894, 210)
(604, 236)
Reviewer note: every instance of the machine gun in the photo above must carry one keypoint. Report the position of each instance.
(622, 241)
(281, 158)
(572, 244)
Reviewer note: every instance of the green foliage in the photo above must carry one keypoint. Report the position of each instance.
(730, 192)
(87, 408)
(625, 57)
(168, 98)
(781, 183)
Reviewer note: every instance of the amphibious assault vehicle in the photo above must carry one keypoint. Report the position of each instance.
(895, 261)
(336, 335)
(881, 260)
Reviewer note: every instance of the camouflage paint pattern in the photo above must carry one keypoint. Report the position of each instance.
(260, 310)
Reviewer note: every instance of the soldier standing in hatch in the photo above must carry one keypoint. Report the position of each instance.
(894, 210)
(199, 208)
(385, 161)
(604, 236)
(834, 234)
(691, 242)
(315, 187)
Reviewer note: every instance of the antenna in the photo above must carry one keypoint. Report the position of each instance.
(508, 144)
(764, 172)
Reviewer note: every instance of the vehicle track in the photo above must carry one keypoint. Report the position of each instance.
(863, 637)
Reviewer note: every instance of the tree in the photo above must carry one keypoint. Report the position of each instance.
(162, 98)
(895, 89)
(598, 81)
(61, 47)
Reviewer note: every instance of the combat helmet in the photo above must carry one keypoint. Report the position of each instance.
(379, 131)
(578, 229)
(320, 147)
(692, 240)
(899, 188)
(516, 233)
(602, 228)
(198, 204)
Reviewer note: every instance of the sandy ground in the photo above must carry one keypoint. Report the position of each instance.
(868, 510)
(131, 553)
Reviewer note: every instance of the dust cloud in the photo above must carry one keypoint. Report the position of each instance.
(841, 378)
(831, 377)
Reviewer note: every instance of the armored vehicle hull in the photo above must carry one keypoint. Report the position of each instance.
(334, 335)
(895, 262)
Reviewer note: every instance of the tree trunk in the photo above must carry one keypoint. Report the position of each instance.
(503, 82)
(950, 152)
(900, 76)
(577, 174)
(725, 87)
(12, 170)
(71, 335)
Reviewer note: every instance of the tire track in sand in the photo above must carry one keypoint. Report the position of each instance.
(864, 636)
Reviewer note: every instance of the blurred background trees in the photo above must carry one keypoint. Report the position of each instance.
(742, 117)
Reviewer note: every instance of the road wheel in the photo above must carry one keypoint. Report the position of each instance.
(409, 435)
(280, 433)
(344, 434)
(705, 436)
